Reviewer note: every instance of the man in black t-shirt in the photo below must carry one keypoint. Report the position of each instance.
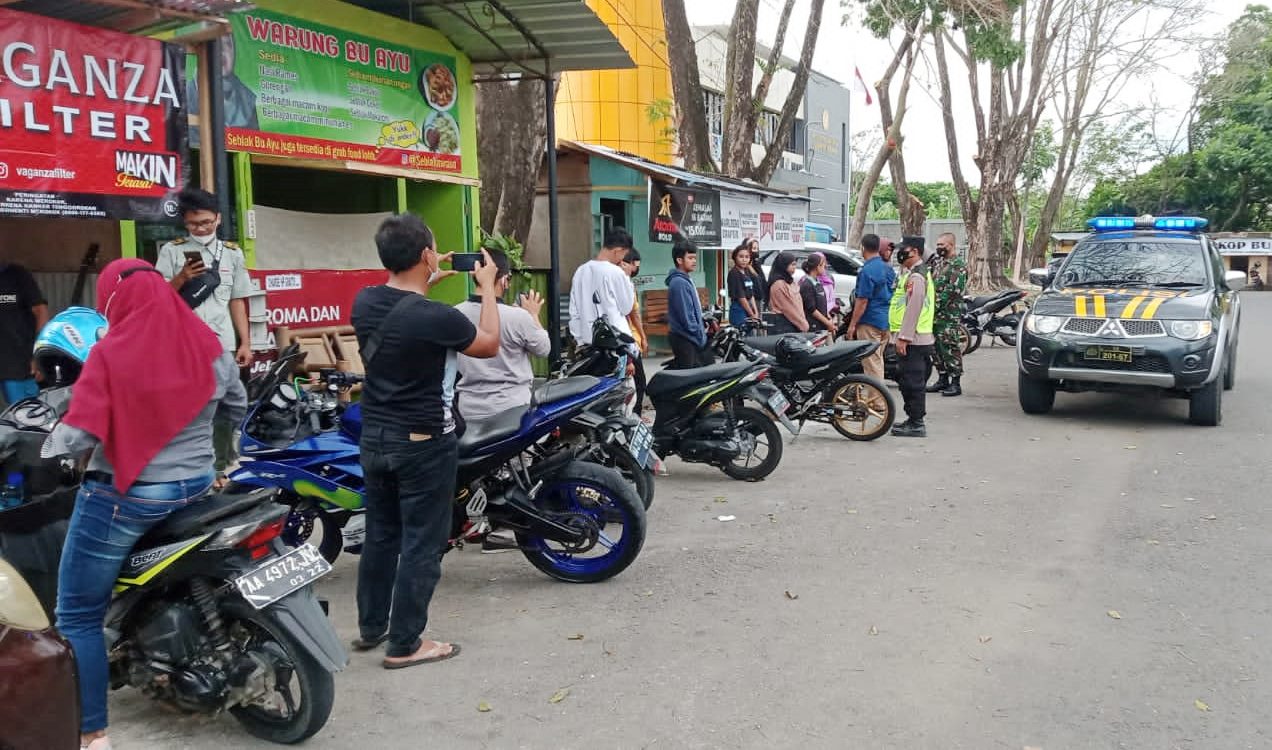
(23, 312)
(409, 448)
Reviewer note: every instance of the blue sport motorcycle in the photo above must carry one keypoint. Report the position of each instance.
(574, 520)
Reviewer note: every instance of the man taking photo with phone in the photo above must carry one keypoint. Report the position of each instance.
(210, 274)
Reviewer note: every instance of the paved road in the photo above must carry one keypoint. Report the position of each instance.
(957, 592)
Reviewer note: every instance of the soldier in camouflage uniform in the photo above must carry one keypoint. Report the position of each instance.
(949, 275)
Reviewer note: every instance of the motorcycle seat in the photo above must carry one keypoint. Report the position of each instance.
(197, 516)
(480, 433)
(565, 388)
(768, 344)
(984, 299)
(667, 382)
(852, 351)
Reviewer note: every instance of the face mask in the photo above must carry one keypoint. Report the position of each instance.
(204, 239)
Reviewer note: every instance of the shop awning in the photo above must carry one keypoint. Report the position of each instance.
(146, 17)
(517, 37)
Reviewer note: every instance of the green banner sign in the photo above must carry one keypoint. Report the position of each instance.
(299, 89)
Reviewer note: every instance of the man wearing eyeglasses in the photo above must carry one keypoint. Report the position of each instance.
(203, 257)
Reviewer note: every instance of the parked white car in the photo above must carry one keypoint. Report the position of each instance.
(844, 265)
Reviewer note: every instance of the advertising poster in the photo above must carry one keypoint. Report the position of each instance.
(92, 122)
(681, 212)
(299, 89)
(313, 299)
(777, 223)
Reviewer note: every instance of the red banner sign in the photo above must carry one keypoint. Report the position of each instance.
(92, 122)
(313, 299)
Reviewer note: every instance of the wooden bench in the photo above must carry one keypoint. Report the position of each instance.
(653, 310)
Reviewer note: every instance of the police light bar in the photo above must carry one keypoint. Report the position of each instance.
(1175, 223)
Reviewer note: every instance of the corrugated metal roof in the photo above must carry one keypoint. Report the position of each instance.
(571, 33)
(134, 16)
(679, 175)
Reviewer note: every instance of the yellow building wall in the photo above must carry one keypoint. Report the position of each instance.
(611, 107)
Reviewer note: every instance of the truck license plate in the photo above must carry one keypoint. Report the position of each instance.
(282, 575)
(1108, 354)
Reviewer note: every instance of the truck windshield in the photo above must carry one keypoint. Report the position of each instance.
(1134, 263)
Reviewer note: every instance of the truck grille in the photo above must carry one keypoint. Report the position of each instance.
(1144, 363)
(1084, 326)
(1141, 328)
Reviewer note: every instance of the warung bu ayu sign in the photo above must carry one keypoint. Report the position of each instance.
(683, 213)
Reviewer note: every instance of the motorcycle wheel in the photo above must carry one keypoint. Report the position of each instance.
(1007, 338)
(760, 428)
(299, 529)
(637, 476)
(590, 496)
(257, 630)
(971, 342)
(857, 394)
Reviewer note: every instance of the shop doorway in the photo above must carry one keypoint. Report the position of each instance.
(613, 214)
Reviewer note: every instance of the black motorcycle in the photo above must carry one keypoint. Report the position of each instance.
(211, 611)
(988, 315)
(823, 383)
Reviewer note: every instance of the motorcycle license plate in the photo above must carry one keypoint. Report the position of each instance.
(642, 441)
(282, 575)
(778, 403)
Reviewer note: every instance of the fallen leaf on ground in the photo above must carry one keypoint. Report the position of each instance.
(851, 511)
(873, 630)
(986, 638)
(559, 695)
(483, 707)
(1131, 447)
(791, 596)
(1115, 614)
(1210, 518)
(1035, 439)
(1167, 507)
(575, 637)
(1153, 541)
(721, 499)
(1201, 705)
(646, 593)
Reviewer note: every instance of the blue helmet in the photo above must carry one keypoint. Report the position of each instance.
(63, 345)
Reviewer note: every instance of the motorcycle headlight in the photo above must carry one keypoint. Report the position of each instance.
(1043, 324)
(1191, 330)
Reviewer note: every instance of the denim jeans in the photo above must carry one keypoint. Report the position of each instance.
(104, 527)
(409, 497)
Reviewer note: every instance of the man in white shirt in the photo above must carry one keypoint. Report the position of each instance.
(490, 386)
(602, 279)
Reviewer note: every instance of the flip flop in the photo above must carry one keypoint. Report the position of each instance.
(220, 482)
(362, 644)
(441, 657)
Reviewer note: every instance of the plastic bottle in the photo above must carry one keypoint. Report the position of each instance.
(11, 492)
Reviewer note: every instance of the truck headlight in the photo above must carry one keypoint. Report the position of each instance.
(1191, 330)
(1043, 324)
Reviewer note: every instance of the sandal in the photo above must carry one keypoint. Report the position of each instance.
(221, 481)
(416, 658)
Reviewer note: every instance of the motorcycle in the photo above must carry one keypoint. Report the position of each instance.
(561, 508)
(985, 316)
(210, 613)
(823, 383)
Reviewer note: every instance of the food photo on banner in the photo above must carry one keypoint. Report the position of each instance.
(299, 89)
(91, 121)
(683, 213)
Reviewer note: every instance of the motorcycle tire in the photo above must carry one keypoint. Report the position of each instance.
(1007, 338)
(332, 536)
(850, 389)
(757, 423)
(637, 476)
(621, 504)
(318, 686)
(971, 341)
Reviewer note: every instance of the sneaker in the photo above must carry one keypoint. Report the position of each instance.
(499, 540)
(911, 428)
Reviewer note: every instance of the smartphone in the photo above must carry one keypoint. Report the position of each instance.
(193, 256)
(465, 261)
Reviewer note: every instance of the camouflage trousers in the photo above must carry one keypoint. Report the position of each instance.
(947, 355)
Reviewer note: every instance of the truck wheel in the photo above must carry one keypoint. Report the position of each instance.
(1036, 396)
(1205, 405)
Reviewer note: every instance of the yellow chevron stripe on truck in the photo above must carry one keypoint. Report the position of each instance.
(1099, 305)
(1080, 306)
(1132, 306)
(1151, 309)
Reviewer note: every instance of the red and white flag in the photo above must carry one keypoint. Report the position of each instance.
(861, 84)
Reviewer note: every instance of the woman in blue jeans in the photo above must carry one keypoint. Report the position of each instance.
(143, 406)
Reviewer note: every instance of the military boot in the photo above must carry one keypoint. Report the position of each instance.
(940, 385)
(911, 428)
(955, 388)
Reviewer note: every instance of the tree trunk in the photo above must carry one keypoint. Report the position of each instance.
(691, 123)
(511, 142)
(786, 121)
(770, 67)
(738, 75)
(911, 210)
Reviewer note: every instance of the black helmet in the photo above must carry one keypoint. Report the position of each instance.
(792, 349)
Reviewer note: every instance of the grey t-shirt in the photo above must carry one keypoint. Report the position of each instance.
(235, 283)
(186, 456)
(489, 386)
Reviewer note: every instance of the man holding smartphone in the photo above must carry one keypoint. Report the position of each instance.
(202, 258)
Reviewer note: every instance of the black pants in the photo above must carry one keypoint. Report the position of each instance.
(639, 376)
(689, 354)
(410, 491)
(912, 377)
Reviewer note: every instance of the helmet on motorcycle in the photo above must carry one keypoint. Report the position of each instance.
(791, 349)
(63, 345)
